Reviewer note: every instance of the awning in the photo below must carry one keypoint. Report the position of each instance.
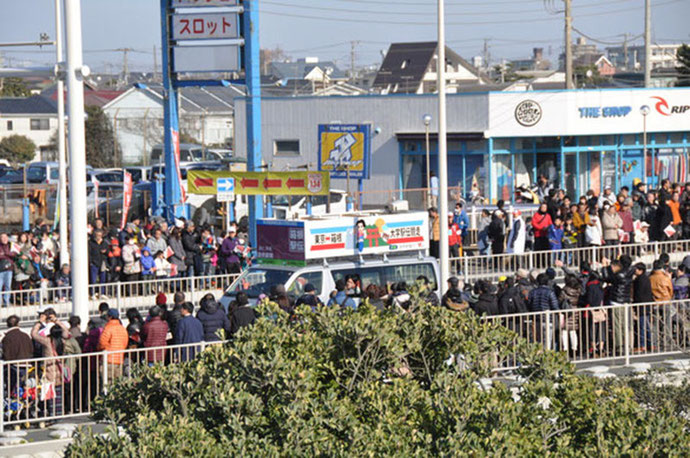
(451, 136)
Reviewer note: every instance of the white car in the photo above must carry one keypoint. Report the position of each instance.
(293, 207)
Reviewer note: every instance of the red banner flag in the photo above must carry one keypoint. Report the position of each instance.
(126, 197)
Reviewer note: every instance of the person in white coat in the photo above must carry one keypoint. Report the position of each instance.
(516, 241)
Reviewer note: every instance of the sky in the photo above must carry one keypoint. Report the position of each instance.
(329, 29)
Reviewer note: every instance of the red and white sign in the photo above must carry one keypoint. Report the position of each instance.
(205, 26)
(126, 197)
(314, 182)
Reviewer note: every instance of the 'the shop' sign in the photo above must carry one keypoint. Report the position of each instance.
(605, 112)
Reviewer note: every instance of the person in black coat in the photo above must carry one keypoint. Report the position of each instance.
(192, 247)
(212, 318)
(241, 314)
(487, 304)
(642, 294)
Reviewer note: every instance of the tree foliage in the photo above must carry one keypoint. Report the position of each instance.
(683, 56)
(371, 383)
(101, 146)
(13, 87)
(17, 149)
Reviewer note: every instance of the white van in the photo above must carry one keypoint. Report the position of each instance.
(378, 270)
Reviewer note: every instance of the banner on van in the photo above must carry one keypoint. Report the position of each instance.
(298, 241)
(261, 183)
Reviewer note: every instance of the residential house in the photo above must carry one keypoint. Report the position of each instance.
(410, 68)
(34, 117)
(633, 57)
(536, 62)
(206, 114)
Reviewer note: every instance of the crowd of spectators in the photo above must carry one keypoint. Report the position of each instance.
(141, 251)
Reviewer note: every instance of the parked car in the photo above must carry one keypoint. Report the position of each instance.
(42, 172)
(139, 173)
(291, 207)
(12, 176)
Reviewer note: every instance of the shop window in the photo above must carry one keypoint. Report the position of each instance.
(629, 139)
(476, 146)
(10, 125)
(545, 143)
(501, 143)
(286, 148)
(607, 140)
(676, 137)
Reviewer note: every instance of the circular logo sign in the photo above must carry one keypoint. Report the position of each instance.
(528, 113)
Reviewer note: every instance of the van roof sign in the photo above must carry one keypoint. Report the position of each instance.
(295, 242)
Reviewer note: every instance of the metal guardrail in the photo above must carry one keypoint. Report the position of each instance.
(472, 268)
(613, 332)
(122, 295)
(63, 387)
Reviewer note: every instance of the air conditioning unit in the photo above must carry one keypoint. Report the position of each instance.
(398, 206)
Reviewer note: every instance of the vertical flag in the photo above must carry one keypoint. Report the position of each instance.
(176, 147)
(126, 197)
(96, 185)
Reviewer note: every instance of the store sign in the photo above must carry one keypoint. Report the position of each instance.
(260, 183)
(587, 112)
(345, 150)
(604, 112)
(205, 26)
(528, 113)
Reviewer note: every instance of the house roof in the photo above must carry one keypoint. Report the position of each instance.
(406, 63)
(300, 69)
(92, 96)
(211, 99)
(27, 105)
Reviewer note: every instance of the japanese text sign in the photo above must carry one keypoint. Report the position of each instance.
(205, 26)
(343, 148)
(280, 242)
(261, 183)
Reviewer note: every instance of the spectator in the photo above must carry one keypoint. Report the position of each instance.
(426, 290)
(179, 256)
(148, 265)
(114, 340)
(497, 231)
(341, 298)
(516, 240)
(189, 330)
(642, 294)
(454, 237)
(75, 330)
(626, 215)
(16, 344)
(619, 278)
(483, 232)
(611, 223)
(192, 248)
(130, 259)
(279, 295)
(163, 267)
(175, 314)
(310, 297)
(154, 334)
(453, 298)
(670, 220)
(463, 222)
(435, 223)
(115, 263)
(662, 286)
(594, 235)
(157, 242)
(228, 254)
(541, 222)
(53, 345)
(511, 299)
(607, 198)
(98, 256)
(555, 232)
(570, 299)
(487, 303)
(241, 314)
(374, 296)
(6, 267)
(542, 298)
(212, 319)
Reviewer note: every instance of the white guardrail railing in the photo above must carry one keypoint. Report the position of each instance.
(57, 388)
(122, 296)
(613, 332)
(496, 265)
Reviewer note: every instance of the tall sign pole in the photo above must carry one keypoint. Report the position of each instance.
(171, 135)
(62, 158)
(647, 43)
(250, 22)
(75, 74)
(442, 149)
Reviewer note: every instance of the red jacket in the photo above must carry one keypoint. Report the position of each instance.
(541, 224)
(154, 334)
(454, 235)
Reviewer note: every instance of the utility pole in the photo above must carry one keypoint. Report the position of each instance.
(154, 77)
(486, 54)
(125, 65)
(625, 51)
(647, 43)
(62, 158)
(568, 45)
(442, 149)
(75, 74)
(353, 46)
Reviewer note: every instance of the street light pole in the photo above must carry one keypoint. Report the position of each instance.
(442, 152)
(427, 121)
(75, 73)
(644, 111)
(62, 159)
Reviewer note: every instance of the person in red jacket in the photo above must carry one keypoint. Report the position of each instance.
(541, 222)
(154, 334)
(454, 237)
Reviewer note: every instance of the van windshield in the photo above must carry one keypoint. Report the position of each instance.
(256, 281)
